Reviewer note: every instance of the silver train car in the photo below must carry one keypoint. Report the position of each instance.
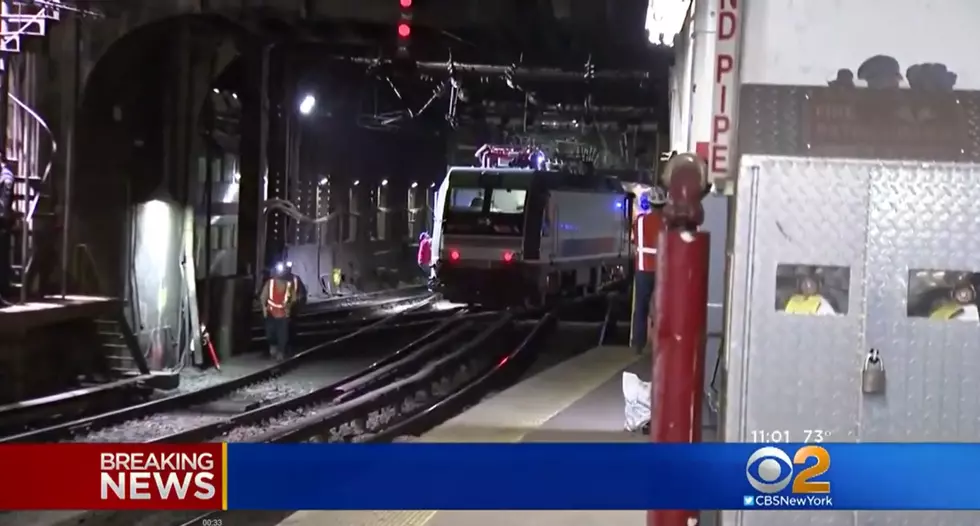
(518, 236)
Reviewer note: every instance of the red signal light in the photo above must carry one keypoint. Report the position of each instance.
(508, 256)
(454, 255)
(406, 3)
(404, 30)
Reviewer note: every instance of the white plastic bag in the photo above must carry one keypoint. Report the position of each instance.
(636, 394)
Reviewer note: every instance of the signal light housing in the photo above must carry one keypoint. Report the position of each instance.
(404, 26)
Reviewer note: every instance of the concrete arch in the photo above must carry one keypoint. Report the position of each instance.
(134, 134)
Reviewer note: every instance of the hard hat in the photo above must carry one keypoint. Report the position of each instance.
(809, 280)
(423, 235)
(658, 196)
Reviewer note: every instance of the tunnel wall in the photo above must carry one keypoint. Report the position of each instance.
(131, 90)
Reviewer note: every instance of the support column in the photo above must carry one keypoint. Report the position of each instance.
(231, 315)
(680, 327)
(276, 223)
(253, 156)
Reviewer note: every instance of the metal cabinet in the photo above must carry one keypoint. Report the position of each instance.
(882, 224)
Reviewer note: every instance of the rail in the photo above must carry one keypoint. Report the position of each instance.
(504, 367)
(202, 396)
(383, 401)
(362, 382)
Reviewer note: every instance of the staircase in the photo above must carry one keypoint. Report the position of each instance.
(36, 237)
(118, 341)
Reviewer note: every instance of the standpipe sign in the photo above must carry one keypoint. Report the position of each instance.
(726, 79)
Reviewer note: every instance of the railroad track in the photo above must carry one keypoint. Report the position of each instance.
(339, 308)
(450, 366)
(409, 406)
(353, 314)
(279, 381)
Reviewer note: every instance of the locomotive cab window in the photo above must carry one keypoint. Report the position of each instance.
(809, 290)
(943, 295)
(466, 200)
(507, 201)
(485, 204)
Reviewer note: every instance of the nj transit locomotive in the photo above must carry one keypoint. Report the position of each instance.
(520, 236)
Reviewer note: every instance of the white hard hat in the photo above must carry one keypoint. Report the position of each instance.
(658, 196)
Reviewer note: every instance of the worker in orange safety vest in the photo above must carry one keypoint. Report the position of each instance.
(646, 232)
(279, 297)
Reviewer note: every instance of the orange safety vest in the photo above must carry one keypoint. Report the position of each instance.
(647, 233)
(280, 297)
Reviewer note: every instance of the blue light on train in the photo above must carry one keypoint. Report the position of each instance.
(619, 205)
(644, 203)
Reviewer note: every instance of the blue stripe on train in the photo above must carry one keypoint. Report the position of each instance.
(570, 248)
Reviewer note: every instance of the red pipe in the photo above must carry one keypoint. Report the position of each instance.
(214, 356)
(680, 322)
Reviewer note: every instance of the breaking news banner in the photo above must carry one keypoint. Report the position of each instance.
(604, 476)
(491, 476)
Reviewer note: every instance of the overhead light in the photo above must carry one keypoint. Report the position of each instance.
(216, 90)
(664, 21)
(356, 183)
(415, 184)
(307, 104)
(324, 181)
(234, 96)
(384, 182)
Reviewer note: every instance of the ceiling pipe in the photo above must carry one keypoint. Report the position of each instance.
(542, 73)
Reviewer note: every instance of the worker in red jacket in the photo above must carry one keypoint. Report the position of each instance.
(425, 253)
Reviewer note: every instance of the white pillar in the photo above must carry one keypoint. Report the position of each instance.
(681, 76)
(702, 73)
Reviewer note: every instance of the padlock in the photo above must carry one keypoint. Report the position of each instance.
(873, 374)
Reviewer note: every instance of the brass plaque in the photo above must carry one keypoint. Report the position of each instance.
(878, 123)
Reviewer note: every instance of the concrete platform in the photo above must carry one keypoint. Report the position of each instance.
(54, 309)
(579, 400)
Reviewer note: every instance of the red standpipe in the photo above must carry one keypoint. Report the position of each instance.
(680, 324)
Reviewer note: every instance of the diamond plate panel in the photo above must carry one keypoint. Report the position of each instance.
(810, 121)
(790, 372)
(922, 216)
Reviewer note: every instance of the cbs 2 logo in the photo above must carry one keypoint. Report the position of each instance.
(770, 469)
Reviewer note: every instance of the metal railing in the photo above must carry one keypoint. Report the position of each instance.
(31, 202)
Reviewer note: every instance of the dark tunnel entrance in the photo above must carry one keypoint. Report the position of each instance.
(137, 146)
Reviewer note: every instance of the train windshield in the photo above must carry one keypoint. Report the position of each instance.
(485, 210)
